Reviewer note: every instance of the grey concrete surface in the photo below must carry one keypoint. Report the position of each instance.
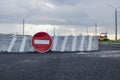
(59, 44)
(17, 44)
(95, 43)
(78, 43)
(5, 41)
(28, 46)
(69, 44)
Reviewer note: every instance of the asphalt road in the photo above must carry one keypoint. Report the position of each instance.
(108, 47)
(62, 66)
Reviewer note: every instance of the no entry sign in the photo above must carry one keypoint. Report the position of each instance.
(41, 42)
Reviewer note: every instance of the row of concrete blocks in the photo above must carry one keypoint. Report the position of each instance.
(75, 43)
(16, 44)
(61, 43)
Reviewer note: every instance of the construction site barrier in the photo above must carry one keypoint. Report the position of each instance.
(21, 43)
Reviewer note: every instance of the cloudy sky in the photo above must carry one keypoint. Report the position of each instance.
(68, 17)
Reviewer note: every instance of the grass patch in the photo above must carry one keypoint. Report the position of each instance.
(111, 41)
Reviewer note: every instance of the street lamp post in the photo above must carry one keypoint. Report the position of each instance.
(116, 24)
(115, 20)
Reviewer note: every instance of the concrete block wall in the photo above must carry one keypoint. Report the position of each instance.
(16, 43)
(21, 43)
(5, 42)
(75, 43)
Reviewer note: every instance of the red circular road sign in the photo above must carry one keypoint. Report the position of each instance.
(41, 42)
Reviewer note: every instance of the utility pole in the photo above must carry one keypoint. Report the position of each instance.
(87, 31)
(106, 29)
(23, 20)
(54, 32)
(23, 26)
(58, 33)
(115, 20)
(95, 28)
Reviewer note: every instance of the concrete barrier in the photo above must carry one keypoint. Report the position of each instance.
(75, 43)
(21, 43)
(16, 43)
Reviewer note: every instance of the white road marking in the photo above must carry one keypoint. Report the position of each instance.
(82, 53)
(117, 51)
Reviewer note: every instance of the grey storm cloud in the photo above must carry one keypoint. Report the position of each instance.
(58, 12)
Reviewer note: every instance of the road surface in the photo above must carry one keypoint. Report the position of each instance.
(101, 65)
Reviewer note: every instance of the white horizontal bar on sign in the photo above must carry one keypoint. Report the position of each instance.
(41, 42)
